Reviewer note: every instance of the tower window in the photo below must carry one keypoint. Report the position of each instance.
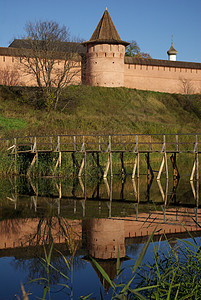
(4, 59)
(113, 54)
(12, 59)
(105, 54)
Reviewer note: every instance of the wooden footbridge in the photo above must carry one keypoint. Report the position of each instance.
(164, 144)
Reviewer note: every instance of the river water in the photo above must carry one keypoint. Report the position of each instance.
(86, 220)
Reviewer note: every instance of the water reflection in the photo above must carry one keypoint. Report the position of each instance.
(100, 220)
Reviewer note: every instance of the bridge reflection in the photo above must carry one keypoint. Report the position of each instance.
(102, 218)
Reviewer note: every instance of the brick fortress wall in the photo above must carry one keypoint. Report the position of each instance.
(107, 66)
(162, 76)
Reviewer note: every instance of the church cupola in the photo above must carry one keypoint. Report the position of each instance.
(172, 53)
(105, 55)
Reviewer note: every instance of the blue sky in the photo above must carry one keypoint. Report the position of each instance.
(150, 22)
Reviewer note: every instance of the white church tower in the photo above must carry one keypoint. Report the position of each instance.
(172, 53)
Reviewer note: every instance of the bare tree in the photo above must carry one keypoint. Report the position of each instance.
(186, 86)
(51, 58)
(9, 77)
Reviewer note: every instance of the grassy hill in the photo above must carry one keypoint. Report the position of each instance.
(85, 109)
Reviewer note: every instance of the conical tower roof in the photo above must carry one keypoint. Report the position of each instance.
(105, 32)
(171, 50)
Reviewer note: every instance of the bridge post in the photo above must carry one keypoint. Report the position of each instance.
(123, 170)
(15, 166)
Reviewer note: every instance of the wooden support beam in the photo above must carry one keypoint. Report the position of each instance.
(148, 164)
(123, 170)
(15, 148)
(122, 187)
(176, 174)
(193, 189)
(161, 168)
(97, 161)
(59, 206)
(166, 192)
(161, 190)
(134, 188)
(134, 167)
(197, 193)
(108, 165)
(107, 186)
(138, 190)
(34, 202)
(136, 210)
(197, 166)
(75, 162)
(81, 184)
(83, 202)
(149, 168)
(111, 171)
(59, 189)
(138, 165)
(166, 165)
(35, 159)
(81, 167)
(164, 212)
(58, 163)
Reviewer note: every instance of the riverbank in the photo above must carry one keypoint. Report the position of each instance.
(86, 110)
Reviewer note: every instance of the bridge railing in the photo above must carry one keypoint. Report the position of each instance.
(105, 143)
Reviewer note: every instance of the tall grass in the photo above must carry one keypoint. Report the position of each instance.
(174, 273)
(85, 109)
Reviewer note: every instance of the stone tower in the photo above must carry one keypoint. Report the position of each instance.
(105, 55)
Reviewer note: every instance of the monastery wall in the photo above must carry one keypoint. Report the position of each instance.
(105, 66)
(14, 73)
(162, 78)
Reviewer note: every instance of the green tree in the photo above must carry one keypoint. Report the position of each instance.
(133, 50)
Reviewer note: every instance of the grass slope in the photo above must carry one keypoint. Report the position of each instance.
(85, 109)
